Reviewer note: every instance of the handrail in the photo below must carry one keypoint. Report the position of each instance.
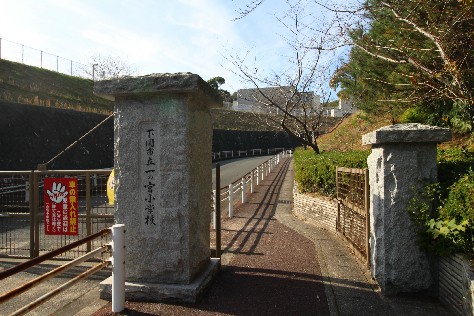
(51, 274)
(25, 309)
(118, 274)
(28, 264)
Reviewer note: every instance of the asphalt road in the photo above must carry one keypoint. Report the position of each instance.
(234, 169)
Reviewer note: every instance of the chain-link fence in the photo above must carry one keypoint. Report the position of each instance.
(33, 57)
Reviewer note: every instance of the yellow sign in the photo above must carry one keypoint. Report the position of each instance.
(110, 187)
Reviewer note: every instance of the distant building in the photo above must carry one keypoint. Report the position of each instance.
(344, 108)
(254, 100)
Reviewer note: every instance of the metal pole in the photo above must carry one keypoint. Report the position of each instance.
(214, 220)
(71, 67)
(0, 48)
(118, 268)
(57, 63)
(32, 213)
(231, 200)
(36, 212)
(218, 210)
(243, 189)
(88, 209)
(22, 52)
(41, 59)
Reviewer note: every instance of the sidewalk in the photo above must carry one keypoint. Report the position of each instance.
(276, 264)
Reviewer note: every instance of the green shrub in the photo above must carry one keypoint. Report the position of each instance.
(460, 202)
(449, 227)
(317, 173)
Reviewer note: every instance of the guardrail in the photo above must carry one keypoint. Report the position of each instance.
(244, 184)
(239, 153)
(118, 272)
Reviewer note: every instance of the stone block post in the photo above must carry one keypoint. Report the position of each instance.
(162, 160)
(403, 156)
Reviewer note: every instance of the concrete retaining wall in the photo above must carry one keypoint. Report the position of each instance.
(456, 285)
(32, 135)
(245, 140)
(319, 212)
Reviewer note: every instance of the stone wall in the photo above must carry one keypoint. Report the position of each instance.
(319, 212)
(456, 285)
(32, 135)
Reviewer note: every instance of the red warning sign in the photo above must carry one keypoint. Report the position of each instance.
(60, 206)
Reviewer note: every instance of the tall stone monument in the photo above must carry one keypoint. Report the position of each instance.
(403, 156)
(163, 141)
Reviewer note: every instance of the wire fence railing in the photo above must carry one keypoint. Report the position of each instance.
(34, 57)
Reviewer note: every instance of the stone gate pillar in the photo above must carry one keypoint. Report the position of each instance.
(162, 159)
(401, 156)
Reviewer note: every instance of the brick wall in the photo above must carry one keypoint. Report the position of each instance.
(319, 212)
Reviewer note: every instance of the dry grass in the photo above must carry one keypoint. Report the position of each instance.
(348, 136)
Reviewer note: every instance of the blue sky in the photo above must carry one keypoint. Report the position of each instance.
(156, 36)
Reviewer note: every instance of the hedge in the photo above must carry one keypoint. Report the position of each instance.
(317, 173)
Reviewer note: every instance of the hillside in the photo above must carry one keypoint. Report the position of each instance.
(20, 83)
(25, 84)
(348, 136)
(245, 121)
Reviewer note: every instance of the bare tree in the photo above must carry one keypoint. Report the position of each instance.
(100, 67)
(287, 95)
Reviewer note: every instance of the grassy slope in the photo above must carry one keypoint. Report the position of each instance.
(348, 136)
(31, 85)
(245, 121)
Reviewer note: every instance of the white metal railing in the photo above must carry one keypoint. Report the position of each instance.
(239, 153)
(244, 184)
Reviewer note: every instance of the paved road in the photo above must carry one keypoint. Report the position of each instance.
(233, 169)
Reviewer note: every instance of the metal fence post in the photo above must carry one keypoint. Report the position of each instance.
(231, 200)
(243, 189)
(118, 268)
(214, 207)
(35, 214)
(31, 201)
(88, 209)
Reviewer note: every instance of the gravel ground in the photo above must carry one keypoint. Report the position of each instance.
(268, 268)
